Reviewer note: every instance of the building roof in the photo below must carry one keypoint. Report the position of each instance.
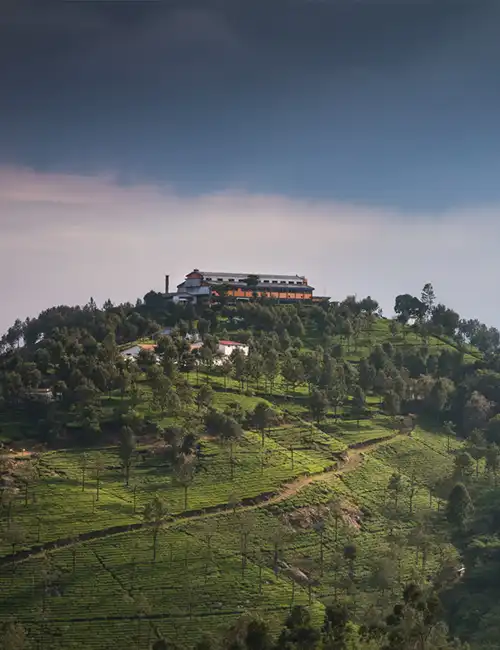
(147, 346)
(267, 276)
(273, 286)
(231, 343)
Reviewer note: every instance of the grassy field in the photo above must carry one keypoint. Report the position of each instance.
(254, 532)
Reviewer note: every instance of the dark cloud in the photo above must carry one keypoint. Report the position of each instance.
(377, 101)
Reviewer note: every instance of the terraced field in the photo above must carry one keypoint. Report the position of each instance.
(260, 528)
(205, 563)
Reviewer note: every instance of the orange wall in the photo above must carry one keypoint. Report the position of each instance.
(243, 293)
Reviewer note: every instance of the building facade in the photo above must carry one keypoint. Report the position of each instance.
(243, 286)
(226, 348)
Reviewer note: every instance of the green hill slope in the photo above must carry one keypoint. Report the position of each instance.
(344, 501)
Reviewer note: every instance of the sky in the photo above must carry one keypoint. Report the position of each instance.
(351, 141)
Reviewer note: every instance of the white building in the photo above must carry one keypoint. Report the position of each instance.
(227, 347)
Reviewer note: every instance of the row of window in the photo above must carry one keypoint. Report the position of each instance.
(272, 294)
(263, 281)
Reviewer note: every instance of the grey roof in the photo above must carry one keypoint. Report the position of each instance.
(267, 276)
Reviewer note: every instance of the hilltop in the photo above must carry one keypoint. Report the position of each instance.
(329, 461)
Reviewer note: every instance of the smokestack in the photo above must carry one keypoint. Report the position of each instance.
(167, 282)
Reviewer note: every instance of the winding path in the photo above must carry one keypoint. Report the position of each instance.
(287, 491)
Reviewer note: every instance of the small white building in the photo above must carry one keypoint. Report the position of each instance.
(227, 347)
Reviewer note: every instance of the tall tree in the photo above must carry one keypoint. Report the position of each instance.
(396, 487)
(262, 418)
(358, 403)
(204, 397)
(83, 462)
(459, 506)
(318, 403)
(126, 450)
(463, 466)
(99, 466)
(184, 475)
(155, 514)
(493, 461)
(428, 298)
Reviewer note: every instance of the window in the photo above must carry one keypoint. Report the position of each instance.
(231, 280)
(291, 282)
(220, 280)
(209, 279)
(266, 281)
(283, 282)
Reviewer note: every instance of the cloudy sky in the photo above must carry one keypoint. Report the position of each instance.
(353, 141)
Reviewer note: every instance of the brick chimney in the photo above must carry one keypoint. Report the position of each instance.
(167, 282)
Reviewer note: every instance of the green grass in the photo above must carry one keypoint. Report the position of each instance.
(197, 583)
(117, 577)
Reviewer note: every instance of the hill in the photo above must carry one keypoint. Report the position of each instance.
(183, 492)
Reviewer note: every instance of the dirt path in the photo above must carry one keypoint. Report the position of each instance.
(287, 491)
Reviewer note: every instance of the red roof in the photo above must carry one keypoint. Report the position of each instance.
(230, 343)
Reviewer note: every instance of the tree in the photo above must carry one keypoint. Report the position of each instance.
(207, 360)
(476, 412)
(396, 487)
(254, 367)
(428, 298)
(394, 328)
(335, 509)
(28, 475)
(412, 490)
(358, 403)
(258, 635)
(459, 506)
(449, 431)
(292, 370)
(299, 632)
(476, 445)
(350, 555)
(262, 418)
(318, 403)
(367, 375)
(90, 423)
(247, 525)
(184, 476)
(155, 514)
(463, 465)
(271, 368)
(98, 468)
(126, 450)
(239, 366)
(335, 630)
(226, 368)
(383, 574)
(446, 319)
(204, 397)
(15, 535)
(392, 403)
(493, 430)
(493, 460)
(13, 636)
(407, 306)
(252, 282)
(83, 461)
